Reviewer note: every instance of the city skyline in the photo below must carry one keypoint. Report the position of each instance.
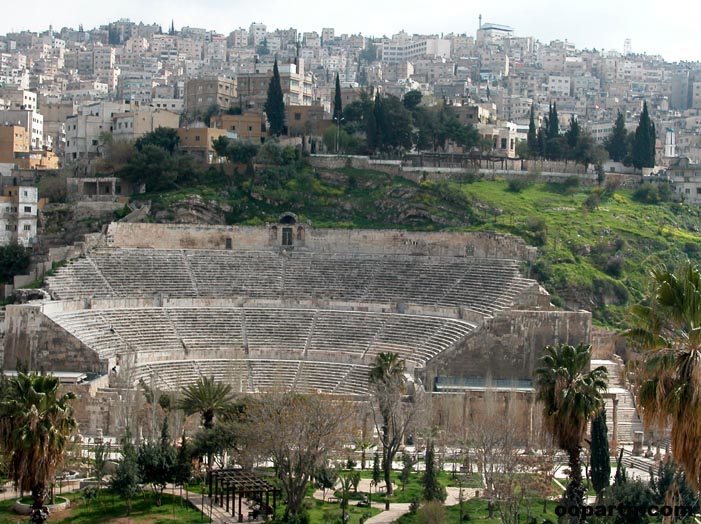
(598, 24)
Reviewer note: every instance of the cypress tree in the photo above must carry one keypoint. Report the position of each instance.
(617, 142)
(644, 142)
(432, 487)
(553, 129)
(532, 140)
(376, 473)
(600, 456)
(337, 103)
(274, 105)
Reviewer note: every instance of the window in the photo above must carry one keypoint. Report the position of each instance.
(27, 227)
(27, 209)
(197, 138)
(8, 227)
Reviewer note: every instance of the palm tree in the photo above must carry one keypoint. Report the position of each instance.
(667, 329)
(571, 396)
(207, 397)
(388, 385)
(36, 423)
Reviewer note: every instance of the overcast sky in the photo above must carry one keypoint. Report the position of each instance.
(671, 29)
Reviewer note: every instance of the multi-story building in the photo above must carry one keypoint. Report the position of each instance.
(686, 180)
(15, 98)
(203, 93)
(197, 141)
(85, 130)
(18, 215)
(30, 120)
(141, 120)
(256, 34)
(247, 126)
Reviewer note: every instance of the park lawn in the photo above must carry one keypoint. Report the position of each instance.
(109, 509)
(326, 512)
(414, 490)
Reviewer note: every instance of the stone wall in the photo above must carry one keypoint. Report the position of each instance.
(507, 347)
(253, 238)
(37, 343)
(539, 170)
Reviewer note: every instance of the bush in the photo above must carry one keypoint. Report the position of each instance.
(516, 185)
(648, 193)
(432, 512)
(614, 266)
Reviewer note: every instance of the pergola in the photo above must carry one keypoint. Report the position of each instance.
(225, 484)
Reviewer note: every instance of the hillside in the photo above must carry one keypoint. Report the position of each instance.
(596, 245)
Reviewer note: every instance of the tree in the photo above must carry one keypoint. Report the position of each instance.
(643, 152)
(156, 463)
(99, 464)
(391, 415)
(297, 433)
(376, 471)
(209, 398)
(670, 488)
(573, 135)
(532, 138)
(36, 423)
(667, 332)
(407, 466)
(600, 456)
(570, 396)
(182, 470)
(432, 488)
(412, 99)
(164, 137)
(14, 260)
(617, 142)
(274, 105)
(337, 102)
(125, 480)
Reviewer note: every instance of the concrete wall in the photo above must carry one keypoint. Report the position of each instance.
(36, 342)
(251, 238)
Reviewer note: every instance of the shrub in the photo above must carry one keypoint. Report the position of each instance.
(432, 512)
(516, 185)
(614, 266)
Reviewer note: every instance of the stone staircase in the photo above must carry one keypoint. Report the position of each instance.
(628, 419)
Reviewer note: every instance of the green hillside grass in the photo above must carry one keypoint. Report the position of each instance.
(590, 257)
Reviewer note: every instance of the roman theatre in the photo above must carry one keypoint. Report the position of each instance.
(290, 306)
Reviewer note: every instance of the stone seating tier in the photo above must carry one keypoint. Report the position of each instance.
(485, 285)
(251, 376)
(150, 335)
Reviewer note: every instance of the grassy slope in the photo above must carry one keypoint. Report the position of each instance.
(595, 260)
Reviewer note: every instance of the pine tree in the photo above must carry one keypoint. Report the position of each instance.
(600, 456)
(337, 103)
(432, 487)
(376, 473)
(532, 140)
(617, 142)
(644, 142)
(274, 105)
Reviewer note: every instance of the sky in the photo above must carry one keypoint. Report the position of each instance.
(672, 29)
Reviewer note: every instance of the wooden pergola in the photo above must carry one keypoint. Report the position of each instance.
(226, 484)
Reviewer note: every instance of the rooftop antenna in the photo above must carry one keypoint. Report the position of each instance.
(480, 17)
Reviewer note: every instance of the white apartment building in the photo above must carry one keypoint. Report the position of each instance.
(18, 215)
(256, 33)
(558, 85)
(84, 130)
(238, 38)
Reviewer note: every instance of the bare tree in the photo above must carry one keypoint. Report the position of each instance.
(392, 409)
(298, 433)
